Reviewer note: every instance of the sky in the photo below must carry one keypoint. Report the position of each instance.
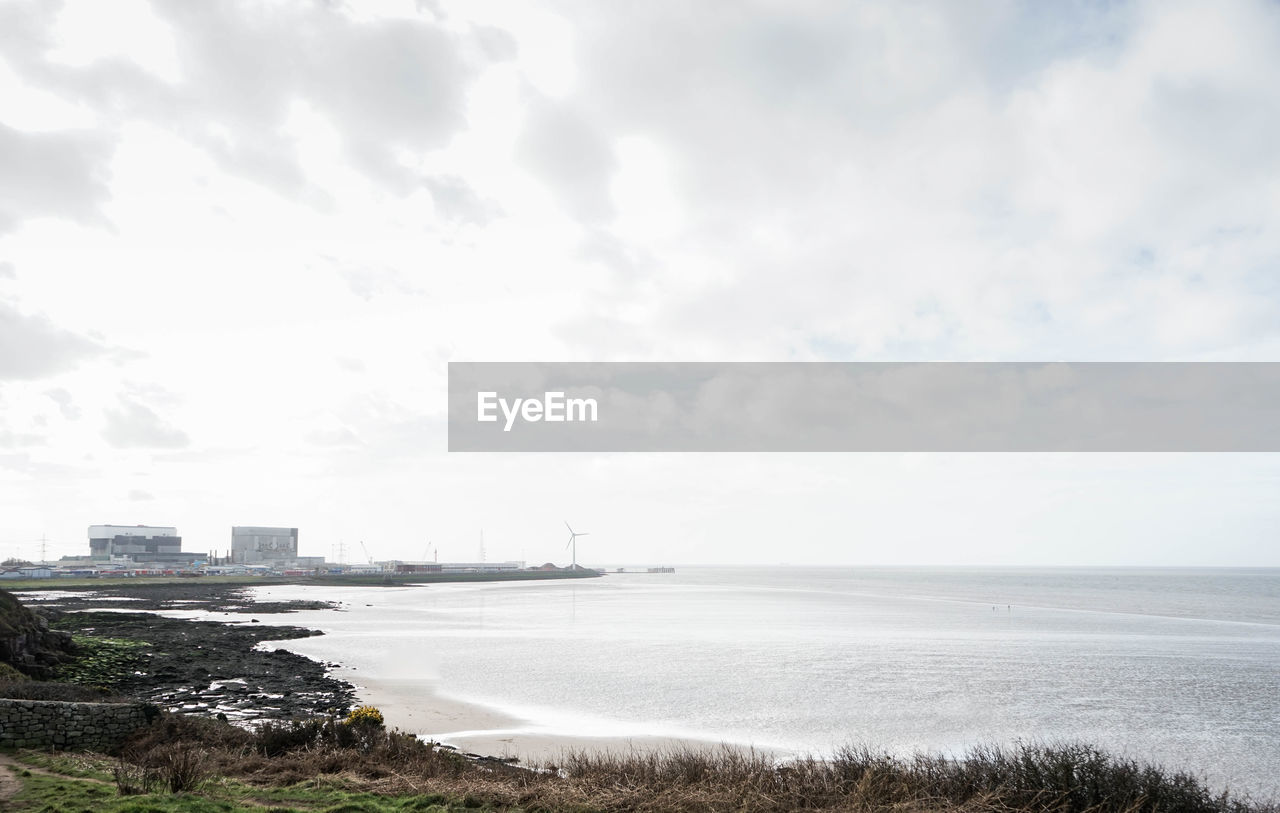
(240, 242)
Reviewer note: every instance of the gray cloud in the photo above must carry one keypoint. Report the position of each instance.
(7, 271)
(138, 495)
(351, 365)
(333, 436)
(387, 87)
(151, 394)
(15, 440)
(135, 425)
(569, 152)
(367, 283)
(23, 463)
(457, 202)
(66, 405)
(887, 180)
(32, 346)
(58, 174)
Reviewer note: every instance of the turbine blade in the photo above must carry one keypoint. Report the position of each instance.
(566, 524)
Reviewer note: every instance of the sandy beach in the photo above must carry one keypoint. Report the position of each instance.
(477, 729)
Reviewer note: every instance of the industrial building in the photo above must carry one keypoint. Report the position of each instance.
(262, 545)
(479, 567)
(139, 543)
(251, 544)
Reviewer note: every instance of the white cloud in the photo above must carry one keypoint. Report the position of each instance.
(87, 32)
(135, 425)
(32, 346)
(297, 213)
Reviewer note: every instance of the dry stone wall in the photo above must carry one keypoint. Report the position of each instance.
(70, 726)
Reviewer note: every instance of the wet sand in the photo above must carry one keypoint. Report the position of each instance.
(480, 730)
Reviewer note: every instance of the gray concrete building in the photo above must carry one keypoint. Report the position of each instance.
(139, 543)
(255, 544)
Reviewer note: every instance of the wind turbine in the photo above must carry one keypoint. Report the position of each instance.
(573, 540)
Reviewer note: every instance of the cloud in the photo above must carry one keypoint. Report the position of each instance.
(351, 365)
(56, 174)
(920, 181)
(136, 426)
(7, 271)
(367, 283)
(16, 440)
(66, 405)
(138, 495)
(392, 90)
(567, 151)
(333, 436)
(457, 202)
(32, 346)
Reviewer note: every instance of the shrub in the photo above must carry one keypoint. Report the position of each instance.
(9, 674)
(133, 780)
(181, 769)
(365, 716)
(274, 739)
(170, 729)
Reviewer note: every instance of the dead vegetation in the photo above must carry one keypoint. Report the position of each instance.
(354, 755)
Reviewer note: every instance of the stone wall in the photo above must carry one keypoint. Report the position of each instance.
(71, 726)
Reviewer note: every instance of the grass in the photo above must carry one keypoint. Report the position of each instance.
(372, 579)
(100, 582)
(63, 794)
(357, 765)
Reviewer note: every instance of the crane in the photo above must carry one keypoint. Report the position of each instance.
(366, 552)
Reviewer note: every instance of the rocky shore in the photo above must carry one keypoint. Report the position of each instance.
(26, 641)
(192, 667)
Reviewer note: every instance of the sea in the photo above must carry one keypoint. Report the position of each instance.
(1179, 667)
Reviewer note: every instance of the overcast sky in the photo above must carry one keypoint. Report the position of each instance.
(239, 242)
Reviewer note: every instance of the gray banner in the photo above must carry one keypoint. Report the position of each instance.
(864, 407)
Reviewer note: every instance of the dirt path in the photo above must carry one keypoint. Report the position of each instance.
(9, 782)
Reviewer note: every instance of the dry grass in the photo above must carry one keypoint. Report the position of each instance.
(330, 754)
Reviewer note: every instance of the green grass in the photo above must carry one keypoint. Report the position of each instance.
(100, 582)
(78, 793)
(375, 579)
(57, 794)
(69, 764)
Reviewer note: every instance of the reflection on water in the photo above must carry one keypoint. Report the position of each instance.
(1181, 666)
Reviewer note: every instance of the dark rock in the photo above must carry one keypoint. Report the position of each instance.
(27, 643)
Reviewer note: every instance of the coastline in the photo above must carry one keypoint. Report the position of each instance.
(479, 730)
(209, 611)
(563, 770)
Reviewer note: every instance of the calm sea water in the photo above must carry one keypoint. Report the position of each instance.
(1178, 666)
